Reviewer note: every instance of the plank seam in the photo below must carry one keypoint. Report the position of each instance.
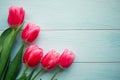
(96, 62)
(78, 30)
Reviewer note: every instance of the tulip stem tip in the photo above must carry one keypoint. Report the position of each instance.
(37, 73)
(57, 71)
(25, 69)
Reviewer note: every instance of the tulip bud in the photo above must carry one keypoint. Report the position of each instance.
(30, 32)
(16, 16)
(33, 55)
(66, 58)
(50, 60)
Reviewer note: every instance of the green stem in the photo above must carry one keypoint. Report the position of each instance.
(30, 75)
(25, 69)
(37, 74)
(57, 71)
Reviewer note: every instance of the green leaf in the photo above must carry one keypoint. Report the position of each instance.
(6, 49)
(15, 65)
(3, 36)
(5, 54)
(5, 71)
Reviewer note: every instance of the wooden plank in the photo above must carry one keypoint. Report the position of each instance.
(67, 14)
(89, 46)
(85, 71)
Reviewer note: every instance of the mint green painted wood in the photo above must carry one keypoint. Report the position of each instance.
(89, 46)
(67, 14)
(85, 71)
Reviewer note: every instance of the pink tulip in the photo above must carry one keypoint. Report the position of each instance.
(33, 55)
(50, 60)
(66, 59)
(30, 32)
(16, 16)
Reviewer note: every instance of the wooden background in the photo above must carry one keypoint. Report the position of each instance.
(91, 28)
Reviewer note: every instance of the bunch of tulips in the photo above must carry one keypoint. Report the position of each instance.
(33, 55)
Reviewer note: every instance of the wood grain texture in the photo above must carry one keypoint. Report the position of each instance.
(67, 14)
(91, 28)
(84, 71)
(89, 46)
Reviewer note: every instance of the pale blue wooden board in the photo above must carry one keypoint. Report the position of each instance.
(85, 71)
(89, 46)
(88, 27)
(67, 14)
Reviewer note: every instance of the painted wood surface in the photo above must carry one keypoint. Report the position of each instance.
(67, 14)
(89, 46)
(91, 28)
(85, 71)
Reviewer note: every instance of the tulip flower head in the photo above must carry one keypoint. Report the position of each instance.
(66, 59)
(50, 60)
(33, 55)
(16, 16)
(30, 33)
